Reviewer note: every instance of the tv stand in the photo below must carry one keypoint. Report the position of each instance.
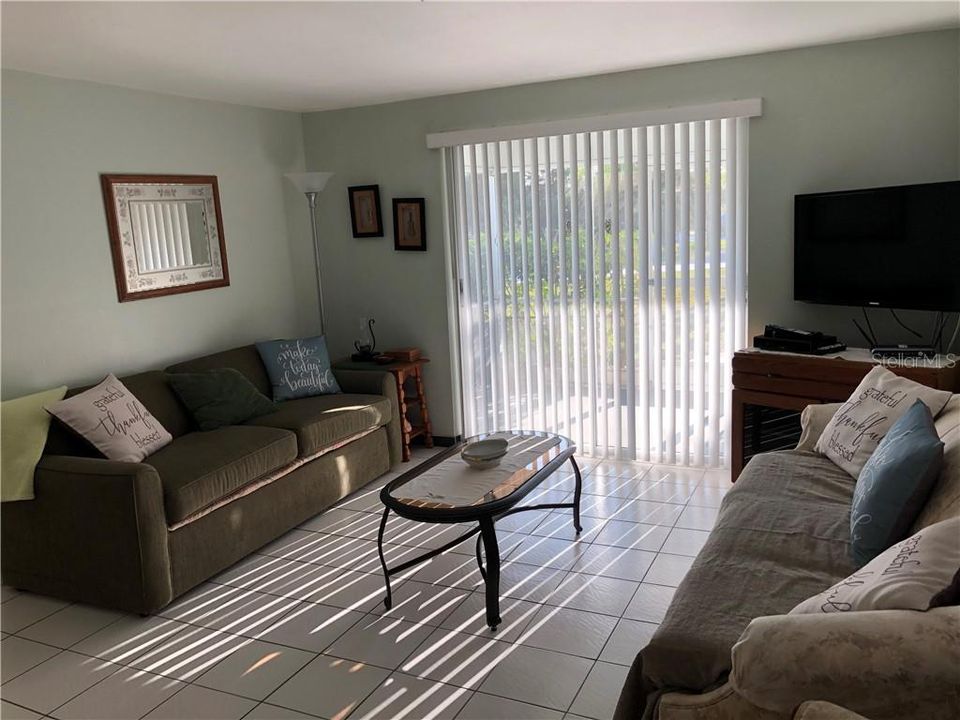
(771, 388)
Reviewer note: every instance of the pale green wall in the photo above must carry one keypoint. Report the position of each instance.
(61, 319)
(877, 112)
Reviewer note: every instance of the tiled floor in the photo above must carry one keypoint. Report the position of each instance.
(298, 630)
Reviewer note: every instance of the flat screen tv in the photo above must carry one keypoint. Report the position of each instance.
(893, 247)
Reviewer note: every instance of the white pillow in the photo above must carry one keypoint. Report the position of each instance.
(905, 576)
(111, 419)
(859, 425)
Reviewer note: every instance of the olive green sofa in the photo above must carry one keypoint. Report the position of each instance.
(134, 536)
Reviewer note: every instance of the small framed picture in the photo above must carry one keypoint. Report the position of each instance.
(409, 224)
(365, 211)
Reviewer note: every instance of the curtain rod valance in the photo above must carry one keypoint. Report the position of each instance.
(640, 118)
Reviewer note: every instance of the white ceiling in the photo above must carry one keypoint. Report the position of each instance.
(317, 56)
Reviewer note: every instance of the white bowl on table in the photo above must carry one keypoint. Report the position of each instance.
(484, 454)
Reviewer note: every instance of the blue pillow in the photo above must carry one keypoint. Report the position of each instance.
(894, 484)
(298, 368)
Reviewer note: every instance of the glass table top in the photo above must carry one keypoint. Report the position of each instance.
(448, 482)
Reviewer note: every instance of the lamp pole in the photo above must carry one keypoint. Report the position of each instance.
(312, 200)
(311, 184)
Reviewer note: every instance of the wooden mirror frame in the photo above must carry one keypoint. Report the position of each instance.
(179, 280)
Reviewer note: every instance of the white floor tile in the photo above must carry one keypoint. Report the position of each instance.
(455, 658)
(668, 570)
(575, 632)
(9, 711)
(329, 687)
(593, 593)
(126, 694)
(234, 610)
(54, 682)
(266, 711)
(650, 603)
(636, 536)
(528, 582)
(600, 692)
(422, 603)
(615, 562)
(69, 625)
(650, 513)
(539, 677)
(471, 617)
(682, 541)
(490, 707)
(627, 639)
(697, 518)
(404, 697)
(255, 670)
(348, 523)
(380, 641)
(190, 653)
(18, 655)
(311, 627)
(26, 609)
(548, 552)
(560, 527)
(129, 638)
(199, 703)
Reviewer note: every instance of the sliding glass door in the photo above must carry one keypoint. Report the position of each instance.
(602, 286)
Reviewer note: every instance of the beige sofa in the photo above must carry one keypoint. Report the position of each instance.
(896, 664)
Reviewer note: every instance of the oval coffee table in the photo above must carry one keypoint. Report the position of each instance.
(444, 489)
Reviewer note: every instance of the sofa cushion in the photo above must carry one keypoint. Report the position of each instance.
(298, 368)
(219, 397)
(200, 468)
(246, 359)
(321, 422)
(894, 484)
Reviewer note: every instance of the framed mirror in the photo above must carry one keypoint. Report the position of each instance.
(166, 234)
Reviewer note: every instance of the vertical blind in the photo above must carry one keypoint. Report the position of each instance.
(602, 285)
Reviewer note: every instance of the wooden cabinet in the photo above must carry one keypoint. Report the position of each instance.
(790, 382)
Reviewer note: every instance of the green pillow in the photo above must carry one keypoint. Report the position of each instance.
(25, 424)
(219, 397)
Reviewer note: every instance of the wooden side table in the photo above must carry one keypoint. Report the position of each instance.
(403, 371)
(764, 380)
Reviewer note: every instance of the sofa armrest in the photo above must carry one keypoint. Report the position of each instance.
(371, 382)
(880, 663)
(813, 421)
(96, 532)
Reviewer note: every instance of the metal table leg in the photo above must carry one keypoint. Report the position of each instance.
(388, 600)
(576, 495)
(492, 578)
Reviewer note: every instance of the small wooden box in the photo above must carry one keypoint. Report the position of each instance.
(406, 354)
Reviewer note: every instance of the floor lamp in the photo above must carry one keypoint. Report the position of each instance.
(311, 184)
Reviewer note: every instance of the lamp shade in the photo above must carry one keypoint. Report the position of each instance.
(309, 181)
